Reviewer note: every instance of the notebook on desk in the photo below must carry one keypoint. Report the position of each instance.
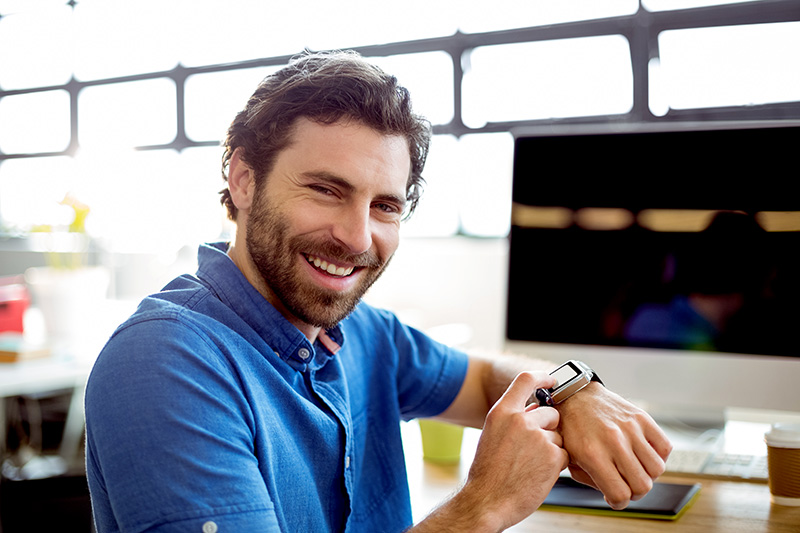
(666, 501)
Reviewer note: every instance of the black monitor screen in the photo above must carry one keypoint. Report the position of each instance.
(681, 239)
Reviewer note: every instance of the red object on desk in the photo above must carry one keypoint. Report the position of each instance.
(14, 300)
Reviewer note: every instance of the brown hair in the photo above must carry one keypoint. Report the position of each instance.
(324, 87)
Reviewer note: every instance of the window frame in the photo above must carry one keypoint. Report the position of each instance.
(641, 29)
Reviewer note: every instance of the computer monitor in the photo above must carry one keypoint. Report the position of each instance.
(667, 257)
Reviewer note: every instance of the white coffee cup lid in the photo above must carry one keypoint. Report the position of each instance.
(783, 436)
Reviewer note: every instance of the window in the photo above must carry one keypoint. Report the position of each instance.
(132, 114)
(214, 98)
(730, 65)
(548, 79)
(126, 103)
(35, 122)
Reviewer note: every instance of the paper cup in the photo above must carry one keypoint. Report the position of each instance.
(441, 442)
(783, 458)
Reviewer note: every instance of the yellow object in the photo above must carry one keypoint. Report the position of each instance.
(441, 442)
(81, 210)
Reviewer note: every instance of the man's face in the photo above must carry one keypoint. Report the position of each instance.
(326, 222)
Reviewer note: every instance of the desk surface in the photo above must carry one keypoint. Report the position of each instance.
(722, 506)
(39, 375)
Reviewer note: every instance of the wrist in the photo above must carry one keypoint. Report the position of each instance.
(571, 377)
(578, 401)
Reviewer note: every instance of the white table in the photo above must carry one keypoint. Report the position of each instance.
(44, 375)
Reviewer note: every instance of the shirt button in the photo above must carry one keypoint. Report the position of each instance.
(347, 462)
(304, 353)
(210, 527)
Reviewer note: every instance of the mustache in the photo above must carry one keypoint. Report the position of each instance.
(335, 252)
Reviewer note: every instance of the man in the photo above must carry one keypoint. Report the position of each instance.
(261, 395)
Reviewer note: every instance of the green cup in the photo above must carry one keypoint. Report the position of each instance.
(441, 442)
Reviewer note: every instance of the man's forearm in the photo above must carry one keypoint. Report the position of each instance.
(461, 512)
(501, 370)
(488, 377)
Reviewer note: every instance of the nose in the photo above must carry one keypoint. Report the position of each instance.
(352, 228)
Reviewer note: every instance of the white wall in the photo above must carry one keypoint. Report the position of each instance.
(456, 280)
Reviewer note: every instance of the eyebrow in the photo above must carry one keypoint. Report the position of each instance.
(342, 183)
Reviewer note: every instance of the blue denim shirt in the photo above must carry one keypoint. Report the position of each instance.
(207, 408)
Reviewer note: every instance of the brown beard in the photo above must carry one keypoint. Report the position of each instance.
(275, 253)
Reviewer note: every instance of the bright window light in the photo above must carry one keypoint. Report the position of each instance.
(210, 35)
(214, 99)
(36, 47)
(22, 210)
(656, 99)
(429, 79)
(550, 79)
(122, 38)
(468, 187)
(484, 190)
(131, 114)
(35, 122)
(437, 212)
(362, 23)
(141, 201)
(203, 218)
(731, 65)
(474, 17)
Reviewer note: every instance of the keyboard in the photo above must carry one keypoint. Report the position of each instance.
(718, 464)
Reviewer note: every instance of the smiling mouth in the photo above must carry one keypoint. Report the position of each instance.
(329, 268)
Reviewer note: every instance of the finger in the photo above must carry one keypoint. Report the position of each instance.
(606, 478)
(652, 449)
(555, 438)
(564, 459)
(630, 456)
(658, 440)
(579, 475)
(546, 417)
(651, 460)
(635, 475)
(523, 387)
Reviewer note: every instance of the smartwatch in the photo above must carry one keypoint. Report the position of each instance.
(571, 377)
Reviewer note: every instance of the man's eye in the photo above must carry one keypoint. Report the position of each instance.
(387, 208)
(321, 189)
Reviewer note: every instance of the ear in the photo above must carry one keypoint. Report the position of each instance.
(241, 181)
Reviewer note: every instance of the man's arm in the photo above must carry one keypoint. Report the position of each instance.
(612, 444)
(518, 459)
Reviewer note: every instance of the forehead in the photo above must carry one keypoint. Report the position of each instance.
(351, 150)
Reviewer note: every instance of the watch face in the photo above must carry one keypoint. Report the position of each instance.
(570, 377)
(563, 374)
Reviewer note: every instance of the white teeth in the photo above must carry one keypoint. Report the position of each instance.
(330, 268)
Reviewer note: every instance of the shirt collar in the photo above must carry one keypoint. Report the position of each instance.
(218, 271)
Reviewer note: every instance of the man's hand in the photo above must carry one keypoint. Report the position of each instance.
(517, 461)
(613, 445)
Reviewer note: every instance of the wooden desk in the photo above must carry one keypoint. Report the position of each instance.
(723, 506)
